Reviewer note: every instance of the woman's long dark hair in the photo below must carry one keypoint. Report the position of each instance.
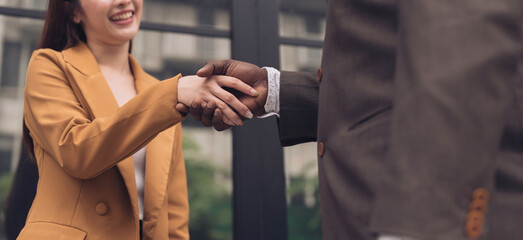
(21, 195)
(59, 33)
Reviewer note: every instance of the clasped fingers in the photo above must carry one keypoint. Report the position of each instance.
(203, 95)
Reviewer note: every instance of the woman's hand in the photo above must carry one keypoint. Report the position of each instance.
(197, 91)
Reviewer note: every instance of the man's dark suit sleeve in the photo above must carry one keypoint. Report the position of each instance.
(455, 72)
(298, 107)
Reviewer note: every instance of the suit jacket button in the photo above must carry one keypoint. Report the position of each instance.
(319, 74)
(478, 205)
(480, 194)
(102, 209)
(474, 225)
(474, 230)
(321, 149)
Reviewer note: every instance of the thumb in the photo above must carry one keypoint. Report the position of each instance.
(180, 107)
(206, 71)
(219, 67)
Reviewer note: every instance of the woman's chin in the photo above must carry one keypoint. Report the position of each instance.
(123, 38)
(125, 34)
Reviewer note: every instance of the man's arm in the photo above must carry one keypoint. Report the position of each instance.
(298, 122)
(298, 98)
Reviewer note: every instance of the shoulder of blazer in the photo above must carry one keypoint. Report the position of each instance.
(46, 56)
(78, 57)
(79, 65)
(46, 62)
(82, 60)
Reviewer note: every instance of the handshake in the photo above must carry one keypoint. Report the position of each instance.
(224, 93)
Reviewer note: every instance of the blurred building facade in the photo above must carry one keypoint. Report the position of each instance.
(165, 47)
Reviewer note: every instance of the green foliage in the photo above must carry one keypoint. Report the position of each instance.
(303, 221)
(5, 185)
(210, 203)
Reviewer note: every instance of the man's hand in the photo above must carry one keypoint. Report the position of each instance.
(246, 72)
(194, 90)
(251, 74)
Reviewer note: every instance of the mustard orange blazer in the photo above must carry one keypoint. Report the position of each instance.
(84, 144)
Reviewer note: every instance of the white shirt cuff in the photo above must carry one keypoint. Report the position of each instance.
(272, 104)
(393, 237)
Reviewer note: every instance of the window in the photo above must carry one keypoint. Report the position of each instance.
(302, 27)
(164, 48)
(236, 177)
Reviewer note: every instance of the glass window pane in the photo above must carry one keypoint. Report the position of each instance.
(26, 4)
(301, 168)
(302, 19)
(208, 158)
(18, 39)
(303, 206)
(303, 59)
(208, 153)
(167, 54)
(207, 13)
(10, 69)
(6, 152)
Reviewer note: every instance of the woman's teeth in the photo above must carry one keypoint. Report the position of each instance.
(123, 16)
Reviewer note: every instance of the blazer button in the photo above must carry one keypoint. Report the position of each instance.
(321, 149)
(102, 209)
(319, 74)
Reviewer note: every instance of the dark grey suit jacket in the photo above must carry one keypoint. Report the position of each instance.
(420, 114)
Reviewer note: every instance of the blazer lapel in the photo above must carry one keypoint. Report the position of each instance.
(158, 154)
(158, 162)
(95, 95)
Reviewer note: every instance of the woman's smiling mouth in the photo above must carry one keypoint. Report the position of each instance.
(122, 16)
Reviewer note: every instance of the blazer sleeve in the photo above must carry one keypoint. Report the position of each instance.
(455, 75)
(86, 147)
(178, 202)
(298, 122)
